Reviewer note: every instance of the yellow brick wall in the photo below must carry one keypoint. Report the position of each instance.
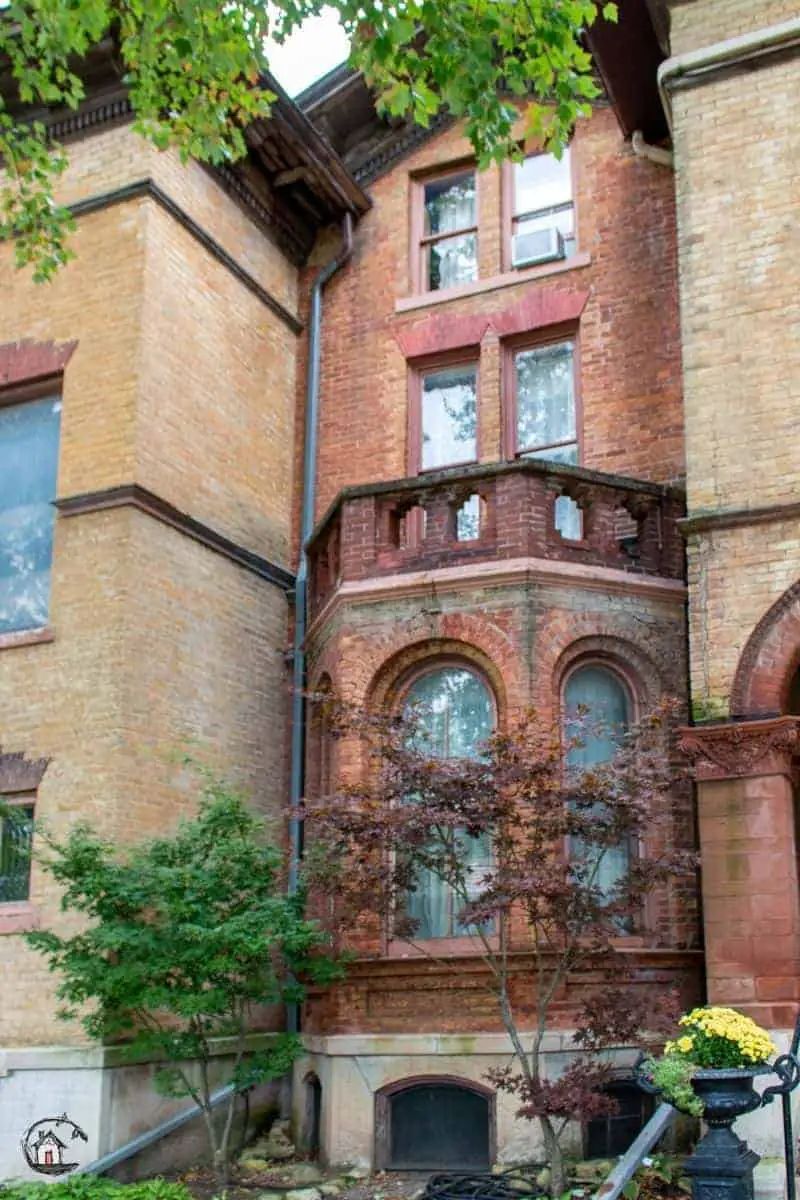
(181, 381)
(698, 23)
(737, 147)
(216, 409)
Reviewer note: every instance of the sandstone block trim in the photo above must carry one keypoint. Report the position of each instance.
(133, 495)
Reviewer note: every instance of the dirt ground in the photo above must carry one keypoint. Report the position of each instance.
(272, 1182)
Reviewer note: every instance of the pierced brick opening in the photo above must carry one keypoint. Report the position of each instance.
(411, 527)
(470, 519)
(626, 532)
(568, 518)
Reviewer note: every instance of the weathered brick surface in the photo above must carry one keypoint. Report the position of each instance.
(629, 351)
(183, 382)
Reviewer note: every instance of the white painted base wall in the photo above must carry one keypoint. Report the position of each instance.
(352, 1069)
(111, 1103)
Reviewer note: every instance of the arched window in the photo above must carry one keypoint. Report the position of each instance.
(605, 699)
(454, 712)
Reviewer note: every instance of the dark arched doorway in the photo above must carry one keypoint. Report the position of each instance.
(434, 1124)
(311, 1125)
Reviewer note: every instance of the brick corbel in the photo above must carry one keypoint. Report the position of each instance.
(437, 335)
(20, 774)
(28, 361)
(539, 309)
(740, 749)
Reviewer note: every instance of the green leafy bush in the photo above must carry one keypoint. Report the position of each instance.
(92, 1187)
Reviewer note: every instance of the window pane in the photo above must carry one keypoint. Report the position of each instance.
(449, 416)
(450, 204)
(545, 396)
(605, 700)
(452, 261)
(454, 710)
(16, 835)
(456, 716)
(28, 469)
(542, 181)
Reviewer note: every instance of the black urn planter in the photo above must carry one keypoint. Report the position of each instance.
(721, 1167)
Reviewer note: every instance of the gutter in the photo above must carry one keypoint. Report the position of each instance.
(296, 781)
(697, 66)
(137, 1144)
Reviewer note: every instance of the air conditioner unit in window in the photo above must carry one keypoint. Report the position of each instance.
(540, 246)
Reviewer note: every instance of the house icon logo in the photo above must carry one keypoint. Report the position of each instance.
(48, 1145)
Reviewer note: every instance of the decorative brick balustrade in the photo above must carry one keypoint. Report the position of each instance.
(490, 513)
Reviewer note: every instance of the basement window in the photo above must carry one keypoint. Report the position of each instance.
(612, 1135)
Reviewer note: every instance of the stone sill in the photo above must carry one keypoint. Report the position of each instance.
(381, 1044)
(18, 917)
(493, 283)
(88, 1057)
(26, 637)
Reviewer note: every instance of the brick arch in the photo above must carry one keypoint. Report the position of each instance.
(459, 634)
(631, 663)
(358, 664)
(565, 638)
(432, 650)
(769, 660)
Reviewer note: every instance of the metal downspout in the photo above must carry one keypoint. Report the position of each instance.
(296, 779)
(772, 39)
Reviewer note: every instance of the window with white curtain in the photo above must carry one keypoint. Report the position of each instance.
(603, 697)
(449, 233)
(453, 710)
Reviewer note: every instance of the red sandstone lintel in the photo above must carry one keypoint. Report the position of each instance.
(28, 361)
(437, 335)
(551, 306)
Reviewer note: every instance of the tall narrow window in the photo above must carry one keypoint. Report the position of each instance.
(604, 698)
(16, 834)
(448, 246)
(544, 402)
(28, 467)
(543, 216)
(455, 714)
(448, 416)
